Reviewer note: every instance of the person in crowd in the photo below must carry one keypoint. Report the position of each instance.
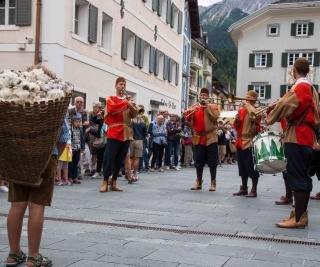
(159, 133)
(79, 111)
(3, 187)
(93, 132)
(222, 141)
(35, 199)
(144, 160)
(203, 118)
(136, 147)
(118, 114)
(229, 138)
(63, 165)
(247, 128)
(78, 147)
(173, 139)
(98, 119)
(187, 144)
(315, 164)
(300, 107)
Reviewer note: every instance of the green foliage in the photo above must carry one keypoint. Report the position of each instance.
(221, 44)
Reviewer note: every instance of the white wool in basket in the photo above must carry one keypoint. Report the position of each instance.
(33, 86)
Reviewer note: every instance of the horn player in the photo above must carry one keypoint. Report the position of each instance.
(247, 129)
(203, 118)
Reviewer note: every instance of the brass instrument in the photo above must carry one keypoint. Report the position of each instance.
(232, 98)
(258, 113)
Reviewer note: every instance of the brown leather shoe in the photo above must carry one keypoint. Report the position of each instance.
(213, 186)
(316, 196)
(252, 194)
(104, 186)
(242, 192)
(197, 186)
(114, 187)
(284, 201)
(291, 222)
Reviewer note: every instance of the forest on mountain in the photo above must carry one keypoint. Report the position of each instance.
(222, 47)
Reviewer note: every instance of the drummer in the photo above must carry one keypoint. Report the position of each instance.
(247, 129)
(300, 106)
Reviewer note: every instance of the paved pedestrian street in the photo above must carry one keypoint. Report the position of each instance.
(159, 221)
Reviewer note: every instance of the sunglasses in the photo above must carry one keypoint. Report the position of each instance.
(79, 102)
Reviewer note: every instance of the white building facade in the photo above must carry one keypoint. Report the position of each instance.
(91, 42)
(270, 40)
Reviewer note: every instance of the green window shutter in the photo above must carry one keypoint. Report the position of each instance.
(180, 22)
(151, 59)
(172, 16)
(165, 67)
(283, 90)
(93, 24)
(170, 70)
(156, 62)
(284, 60)
(316, 86)
(141, 57)
(168, 19)
(293, 29)
(250, 87)
(269, 59)
(310, 28)
(154, 5)
(316, 59)
(124, 43)
(23, 12)
(268, 91)
(159, 9)
(136, 50)
(251, 60)
(177, 74)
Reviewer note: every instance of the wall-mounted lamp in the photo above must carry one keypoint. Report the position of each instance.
(122, 8)
(155, 32)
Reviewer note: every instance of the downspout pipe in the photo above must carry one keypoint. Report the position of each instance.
(38, 30)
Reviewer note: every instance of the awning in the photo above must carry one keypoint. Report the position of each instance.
(228, 116)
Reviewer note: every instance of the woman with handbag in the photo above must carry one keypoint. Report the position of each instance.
(159, 132)
(99, 143)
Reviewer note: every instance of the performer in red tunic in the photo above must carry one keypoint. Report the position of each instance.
(247, 128)
(203, 118)
(300, 106)
(118, 114)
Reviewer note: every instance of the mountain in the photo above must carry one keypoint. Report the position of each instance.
(215, 20)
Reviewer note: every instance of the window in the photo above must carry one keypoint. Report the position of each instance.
(186, 19)
(81, 18)
(163, 6)
(292, 57)
(106, 32)
(273, 30)
(302, 28)
(130, 46)
(7, 12)
(161, 65)
(174, 74)
(260, 60)
(284, 89)
(263, 90)
(146, 57)
(176, 19)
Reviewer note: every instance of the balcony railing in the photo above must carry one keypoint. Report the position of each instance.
(196, 63)
(207, 70)
(193, 89)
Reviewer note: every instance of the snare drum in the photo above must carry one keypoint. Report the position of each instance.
(269, 153)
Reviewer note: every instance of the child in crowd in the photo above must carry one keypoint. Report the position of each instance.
(188, 132)
(63, 163)
(78, 146)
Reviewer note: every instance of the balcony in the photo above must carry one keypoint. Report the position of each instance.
(196, 63)
(193, 89)
(207, 70)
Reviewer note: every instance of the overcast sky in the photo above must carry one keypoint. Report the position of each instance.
(207, 2)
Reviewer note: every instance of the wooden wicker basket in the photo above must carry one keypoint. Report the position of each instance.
(28, 135)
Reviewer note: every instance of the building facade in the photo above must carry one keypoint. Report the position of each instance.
(270, 40)
(91, 42)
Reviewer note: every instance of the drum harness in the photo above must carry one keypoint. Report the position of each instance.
(300, 117)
